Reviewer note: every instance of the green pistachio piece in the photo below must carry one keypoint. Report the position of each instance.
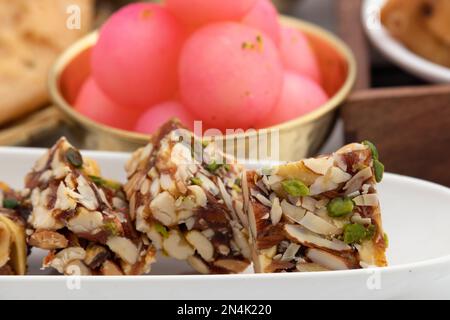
(74, 158)
(113, 184)
(161, 230)
(213, 166)
(196, 181)
(236, 188)
(355, 233)
(370, 232)
(10, 203)
(111, 228)
(386, 239)
(379, 170)
(339, 207)
(372, 148)
(295, 188)
(99, 181)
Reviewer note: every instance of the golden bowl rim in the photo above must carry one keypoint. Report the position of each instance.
(87, 41)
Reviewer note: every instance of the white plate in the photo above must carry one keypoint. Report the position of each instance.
(416, 215)
(394, 50)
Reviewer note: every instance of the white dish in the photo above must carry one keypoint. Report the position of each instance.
(394, 50)
(415, 215)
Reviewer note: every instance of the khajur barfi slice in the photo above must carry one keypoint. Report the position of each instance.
(186, 197)
(13, 247)
(82, 218)
(317, 214)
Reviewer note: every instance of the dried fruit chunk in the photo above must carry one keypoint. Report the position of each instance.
(334, 226)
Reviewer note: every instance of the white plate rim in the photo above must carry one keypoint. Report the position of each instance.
(394, 50)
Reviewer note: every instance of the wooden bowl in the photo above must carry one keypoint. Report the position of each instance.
(292, 140)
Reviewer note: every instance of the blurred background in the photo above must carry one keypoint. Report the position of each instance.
(406, 116)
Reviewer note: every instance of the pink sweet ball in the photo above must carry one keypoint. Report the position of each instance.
(230, 75)
(135, 58)
(297, 54)
(199, 12)
(94, 104)
(300, 95)
(264, 16)
(157, 115)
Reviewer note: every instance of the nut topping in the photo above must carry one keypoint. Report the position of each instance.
(319, 165)
(326, 260)
(290, 252)
(276, 211)
(88, 198)
(65, 256)
(163, 208)
(201, 243)
(124, 248)
(369, 200)
(357, 180)
(300, 235)
(198, 265)
(318, 225)
(200, 196)
(235, 266)
(48, 240)
(109, 268)
(294, 213)
(95, 256)
(85, 221)
(177, 247)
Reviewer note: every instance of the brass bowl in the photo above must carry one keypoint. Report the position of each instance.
(295, 139)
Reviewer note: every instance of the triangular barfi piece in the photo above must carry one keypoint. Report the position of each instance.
(82, 218)
(186, 197)
(317, 214)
